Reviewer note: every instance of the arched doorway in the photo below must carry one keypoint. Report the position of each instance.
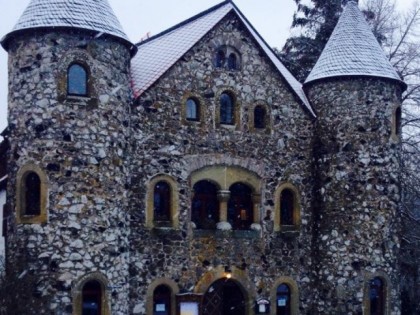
(224, 297)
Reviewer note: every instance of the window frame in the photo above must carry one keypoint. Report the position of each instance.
(278, 226)
(86, 79)
(232, 111)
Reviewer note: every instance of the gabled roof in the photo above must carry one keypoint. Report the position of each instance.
(352, 50)
(94, 15)
(159, 53)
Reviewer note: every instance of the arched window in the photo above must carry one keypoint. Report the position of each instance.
(283, 300)
(205, 205)
(77, 78)
(232, 62)
(220, 59)
(162, 202)
(287, 207)
(377, 296)
(32, 194)
(259, 117)
(226, 109)
(240, 206)
(162, 300)
(92, 298)
(192, 110)
(398, 121)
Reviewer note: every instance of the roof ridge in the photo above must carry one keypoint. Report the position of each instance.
(187, 21)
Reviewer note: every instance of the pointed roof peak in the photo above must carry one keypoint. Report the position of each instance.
(352, 50)
(91, 15)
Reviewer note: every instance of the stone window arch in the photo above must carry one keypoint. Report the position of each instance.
(260, 118)
(377, 294)
(227, 109)
(162, 202)
(284, 297)
(161, 292)
(31, 195)
(238, 194)
(192, 109)
(227, 57)
(205, 205)
(77, 80)
(287, 208)
(90, 295)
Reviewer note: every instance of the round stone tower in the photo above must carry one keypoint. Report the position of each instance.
(69, 98)
(357, 96)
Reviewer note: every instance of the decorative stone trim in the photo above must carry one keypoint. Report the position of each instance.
(296, 211)
(366, 299)
(294, 294)
(77, 293)
(20, 195)
(149, 295)
(173, 202)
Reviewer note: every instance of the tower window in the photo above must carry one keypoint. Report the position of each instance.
(232, 62)
(205, 205)
(398, 121)
(287, 206)
(77, 78)
(162, 201)
(226, 109)
(162, 300)
(283, 300)
(32, 194)
(92, 298)
(259, 117)
(192, 110)
(377, 296)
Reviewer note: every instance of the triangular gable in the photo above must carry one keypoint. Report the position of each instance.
(159, 53)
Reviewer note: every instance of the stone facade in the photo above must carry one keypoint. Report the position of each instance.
(101, 157)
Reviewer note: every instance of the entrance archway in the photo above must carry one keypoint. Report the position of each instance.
(224, 297)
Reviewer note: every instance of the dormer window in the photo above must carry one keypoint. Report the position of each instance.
(77, 80)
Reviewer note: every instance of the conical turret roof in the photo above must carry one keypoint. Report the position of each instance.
(94, 15)
(352, 50)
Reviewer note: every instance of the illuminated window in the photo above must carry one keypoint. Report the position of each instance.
(77, 80)
(240, 207)
(205, 205)
(162, 300)
(283, 300)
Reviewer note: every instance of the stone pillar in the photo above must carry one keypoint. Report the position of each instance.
(223, 196)
(256, 201)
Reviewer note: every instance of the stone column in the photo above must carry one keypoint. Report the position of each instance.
(223, 196)
(256, 201)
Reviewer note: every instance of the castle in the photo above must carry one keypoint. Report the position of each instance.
(193, 174)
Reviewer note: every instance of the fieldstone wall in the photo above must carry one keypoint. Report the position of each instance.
(80, 143)
(357, 193)
(163, 142)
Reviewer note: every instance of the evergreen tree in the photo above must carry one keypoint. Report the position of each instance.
(315, 23)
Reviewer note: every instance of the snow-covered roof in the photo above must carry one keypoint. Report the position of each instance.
(95, 15)
(156, 55)
(352, 50)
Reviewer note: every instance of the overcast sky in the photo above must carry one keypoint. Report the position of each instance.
(272, 18)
